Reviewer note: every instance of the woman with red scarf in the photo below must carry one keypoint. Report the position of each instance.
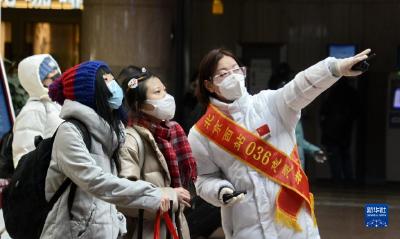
(166, 160)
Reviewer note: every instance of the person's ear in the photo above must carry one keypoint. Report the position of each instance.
(209, 86)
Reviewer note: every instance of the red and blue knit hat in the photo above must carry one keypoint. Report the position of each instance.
(77, 83)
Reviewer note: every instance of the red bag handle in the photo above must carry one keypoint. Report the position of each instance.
(168, 223)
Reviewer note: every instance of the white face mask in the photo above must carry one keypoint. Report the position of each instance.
(164, 109)
(232, 87)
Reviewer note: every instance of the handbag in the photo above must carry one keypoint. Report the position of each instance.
(168, 222)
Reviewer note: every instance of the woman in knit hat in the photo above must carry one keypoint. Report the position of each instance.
(166, 160)
(89, 94)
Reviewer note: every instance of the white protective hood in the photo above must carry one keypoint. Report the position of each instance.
(28, 74)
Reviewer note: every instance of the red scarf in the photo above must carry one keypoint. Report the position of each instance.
(172, 141)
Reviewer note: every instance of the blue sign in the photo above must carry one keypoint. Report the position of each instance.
(342, 50)
(6, 108)
(376, 215)
(396, 99)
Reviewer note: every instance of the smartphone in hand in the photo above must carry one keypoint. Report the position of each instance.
(363, 66)
(226, 197)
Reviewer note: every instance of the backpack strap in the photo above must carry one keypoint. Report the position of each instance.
(59, 192)
(84, 130)
(87, 139)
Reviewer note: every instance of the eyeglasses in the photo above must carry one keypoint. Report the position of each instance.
(225, 73)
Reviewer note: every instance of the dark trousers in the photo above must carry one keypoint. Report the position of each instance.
(203, 218)
(340, 162)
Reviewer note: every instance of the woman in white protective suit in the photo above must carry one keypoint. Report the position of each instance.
(245, 147)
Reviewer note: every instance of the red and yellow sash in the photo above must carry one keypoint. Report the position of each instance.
(266, 159)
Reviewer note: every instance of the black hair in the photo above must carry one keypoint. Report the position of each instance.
(207, 68)
(281, 75)
(103, 109)
(135, 97)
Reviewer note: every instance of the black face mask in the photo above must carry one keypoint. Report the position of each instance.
(55, 76)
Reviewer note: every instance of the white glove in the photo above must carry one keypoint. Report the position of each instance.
(343, 66)
(233, 200)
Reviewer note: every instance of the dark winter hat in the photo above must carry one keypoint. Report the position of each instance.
(77, 83)
(47, 66)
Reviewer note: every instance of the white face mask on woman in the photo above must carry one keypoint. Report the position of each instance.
(232, 87)
(164, 109)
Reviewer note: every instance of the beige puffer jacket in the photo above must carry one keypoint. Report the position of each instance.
(155, 171)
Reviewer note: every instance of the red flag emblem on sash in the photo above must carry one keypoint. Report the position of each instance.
(263, 130)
